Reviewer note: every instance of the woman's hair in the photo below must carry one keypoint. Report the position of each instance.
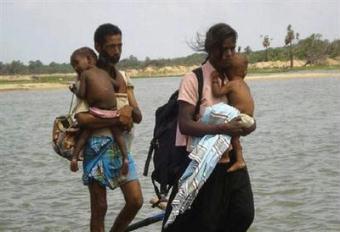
(216, 35)
(214, 38)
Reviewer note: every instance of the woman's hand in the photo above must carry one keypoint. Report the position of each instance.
(235, 127)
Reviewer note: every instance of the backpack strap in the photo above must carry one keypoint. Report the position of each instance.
(148, 159)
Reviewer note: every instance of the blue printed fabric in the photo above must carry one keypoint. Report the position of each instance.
(103, 161)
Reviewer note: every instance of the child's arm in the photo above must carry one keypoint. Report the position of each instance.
(217, 90)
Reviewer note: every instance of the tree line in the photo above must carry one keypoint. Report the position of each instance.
(313, 49)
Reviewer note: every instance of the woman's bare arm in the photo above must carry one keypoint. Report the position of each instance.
(189, 126)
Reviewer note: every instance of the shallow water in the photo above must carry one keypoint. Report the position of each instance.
(292, 157)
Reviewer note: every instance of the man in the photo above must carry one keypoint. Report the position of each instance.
(225, 202)
(108, 43)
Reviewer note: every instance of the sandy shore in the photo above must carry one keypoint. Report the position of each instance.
(292, 75)
(31, 86)
(272, 76)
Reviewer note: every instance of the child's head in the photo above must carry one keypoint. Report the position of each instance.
(82, 59)
(238, 65)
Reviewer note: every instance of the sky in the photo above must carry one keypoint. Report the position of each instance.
(49, 30)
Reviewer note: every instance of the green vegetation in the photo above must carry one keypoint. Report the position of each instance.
(133, 63)
(34, 67)
(314, 50)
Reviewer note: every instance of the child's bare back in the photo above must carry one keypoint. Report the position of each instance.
(97, 89)
(236, 90)
(239, 96)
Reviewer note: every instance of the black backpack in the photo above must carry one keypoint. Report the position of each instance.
(169, 161)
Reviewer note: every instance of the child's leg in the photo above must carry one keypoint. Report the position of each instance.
(83, 137)
(119, 138)
(240, 163)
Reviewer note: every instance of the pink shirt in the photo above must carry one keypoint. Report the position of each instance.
(188, 92)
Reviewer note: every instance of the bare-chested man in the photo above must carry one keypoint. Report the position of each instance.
(239, 96)
(99, 149)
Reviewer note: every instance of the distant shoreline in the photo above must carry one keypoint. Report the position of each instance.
(19, 84)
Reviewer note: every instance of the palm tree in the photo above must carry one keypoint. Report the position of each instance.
(266, 45)
(289, 42)
(247, 50)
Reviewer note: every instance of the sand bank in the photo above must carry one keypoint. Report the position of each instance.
(31, 86)
(272, 76)
(292, 75)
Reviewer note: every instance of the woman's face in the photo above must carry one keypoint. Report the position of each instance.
(220, 56)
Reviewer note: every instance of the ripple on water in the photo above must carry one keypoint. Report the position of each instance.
(292, 157)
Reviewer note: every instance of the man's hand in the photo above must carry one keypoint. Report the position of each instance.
(125, 117)
(125, 167)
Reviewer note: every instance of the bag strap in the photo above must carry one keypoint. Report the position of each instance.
(71, 111)
(148, 159)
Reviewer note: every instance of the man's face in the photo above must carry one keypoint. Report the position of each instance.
(112, 48)
(222, 55)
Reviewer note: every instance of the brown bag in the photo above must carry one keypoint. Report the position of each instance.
(64, 136)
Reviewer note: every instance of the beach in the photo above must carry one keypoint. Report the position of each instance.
(18, 82)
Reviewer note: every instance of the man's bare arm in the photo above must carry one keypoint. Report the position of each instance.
(136, 112)
(87, 120)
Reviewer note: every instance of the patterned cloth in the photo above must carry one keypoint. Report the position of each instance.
(103, 161)
(205, 155)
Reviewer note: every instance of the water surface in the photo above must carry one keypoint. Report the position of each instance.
(292, 157)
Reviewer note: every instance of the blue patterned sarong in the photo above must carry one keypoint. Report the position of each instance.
(103, 161)
(205, 155)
